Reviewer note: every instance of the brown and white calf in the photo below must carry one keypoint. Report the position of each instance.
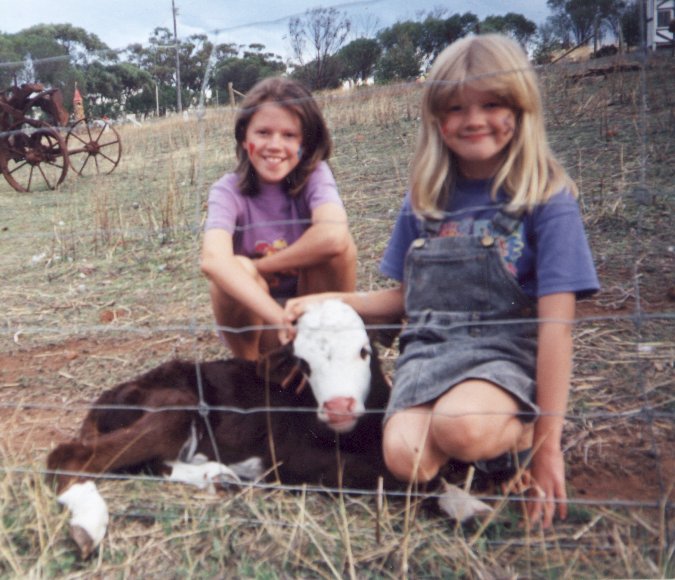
(261, 420)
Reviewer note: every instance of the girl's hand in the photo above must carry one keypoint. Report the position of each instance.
(286, 333)
(295, 308)
(548, 489)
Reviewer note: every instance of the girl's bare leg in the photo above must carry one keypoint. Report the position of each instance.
(409, 453)
(230, 313)
(475, 420)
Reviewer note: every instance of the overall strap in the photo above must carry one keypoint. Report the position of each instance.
(505, 222)
(431, 226)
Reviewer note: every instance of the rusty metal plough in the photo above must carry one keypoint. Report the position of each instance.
(38, 146)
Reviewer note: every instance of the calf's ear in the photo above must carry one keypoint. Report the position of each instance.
(282, 367)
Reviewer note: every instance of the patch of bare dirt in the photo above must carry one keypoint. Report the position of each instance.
(45, 389)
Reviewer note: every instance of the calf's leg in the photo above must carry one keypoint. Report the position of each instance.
(157, 435)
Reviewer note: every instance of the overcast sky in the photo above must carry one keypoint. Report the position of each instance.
(122, 22)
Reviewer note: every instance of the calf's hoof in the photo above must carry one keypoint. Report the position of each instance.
(83, 540)
(89, 516)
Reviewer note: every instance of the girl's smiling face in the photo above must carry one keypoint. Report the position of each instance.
(477, 128)
(273, 142)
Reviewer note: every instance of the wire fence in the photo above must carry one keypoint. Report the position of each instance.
(158, 239)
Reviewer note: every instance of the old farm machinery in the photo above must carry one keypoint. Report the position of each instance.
(38, 146)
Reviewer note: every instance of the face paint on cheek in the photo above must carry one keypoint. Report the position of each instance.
(251, 149)
(508, 125)
(299, 152)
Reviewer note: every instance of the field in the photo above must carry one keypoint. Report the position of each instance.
(100, 281)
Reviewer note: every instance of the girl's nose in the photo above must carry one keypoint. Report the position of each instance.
(474, 116)
(274, 140)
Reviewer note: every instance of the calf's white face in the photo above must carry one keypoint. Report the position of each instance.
(331, 338)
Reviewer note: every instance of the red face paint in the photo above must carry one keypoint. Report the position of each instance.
(251, 149)
(508, 123)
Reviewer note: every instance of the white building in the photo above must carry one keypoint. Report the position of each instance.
(659, 14)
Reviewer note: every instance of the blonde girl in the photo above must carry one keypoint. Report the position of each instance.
(491, 254)
(276, 226)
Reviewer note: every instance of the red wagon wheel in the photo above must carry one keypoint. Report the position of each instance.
(94, 148)
(33, 153)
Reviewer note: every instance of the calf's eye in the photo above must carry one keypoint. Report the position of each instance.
(365, 353)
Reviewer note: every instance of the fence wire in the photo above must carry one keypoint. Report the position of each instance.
(366, 212)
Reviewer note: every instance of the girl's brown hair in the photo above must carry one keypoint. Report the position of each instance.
(316, 141)
(529, 173)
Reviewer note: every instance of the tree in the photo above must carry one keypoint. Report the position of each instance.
(547, 42)
(121, 86)
(331, 73)
(630, 23)
(409, 47)
(12, 61)
(587, 18)
(402, 55)
(511, 24)
(358, 59)
(80, 45)
(244, 72)
(158, 59)
(325, 31)
(400, 63)
(437, 32)
(52, 54)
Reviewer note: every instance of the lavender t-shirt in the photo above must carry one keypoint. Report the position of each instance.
(271, 220)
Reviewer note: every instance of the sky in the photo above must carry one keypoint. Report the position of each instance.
(122, 22)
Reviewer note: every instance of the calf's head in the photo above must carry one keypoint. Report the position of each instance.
(334, 349)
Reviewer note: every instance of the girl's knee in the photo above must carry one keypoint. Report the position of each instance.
(473, 437)
(408, 461)
(461, 437)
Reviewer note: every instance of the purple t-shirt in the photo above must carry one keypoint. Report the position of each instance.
(548, 252)
(271, 220)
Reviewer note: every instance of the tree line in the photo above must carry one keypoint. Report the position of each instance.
(327, 51)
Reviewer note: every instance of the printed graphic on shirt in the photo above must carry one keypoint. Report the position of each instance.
(510, 248)
(265, 248)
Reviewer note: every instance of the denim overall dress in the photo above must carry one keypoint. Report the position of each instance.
(467, 319)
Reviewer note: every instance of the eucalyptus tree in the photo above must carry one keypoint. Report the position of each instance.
(315, 39)
(244, 71)
(511, 24)
(358, 59)
(588, 19)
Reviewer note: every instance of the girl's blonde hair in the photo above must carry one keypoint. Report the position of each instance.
(530, 173)
(316, 141)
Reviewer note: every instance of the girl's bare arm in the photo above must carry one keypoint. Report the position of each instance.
(227, 271)
(375, 307)
(554, 369)
(328, 236)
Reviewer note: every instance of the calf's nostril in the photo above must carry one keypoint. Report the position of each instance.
(340, 405)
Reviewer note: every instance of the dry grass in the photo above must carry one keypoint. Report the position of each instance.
(101, 281)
